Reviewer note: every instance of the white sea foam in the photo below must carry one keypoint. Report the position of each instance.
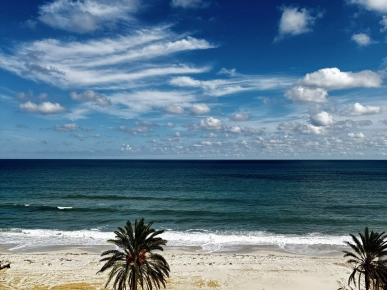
(64, 207)
(206, 240)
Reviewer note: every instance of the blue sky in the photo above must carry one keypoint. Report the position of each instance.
(193, 79)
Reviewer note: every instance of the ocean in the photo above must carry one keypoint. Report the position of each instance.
(307, 207)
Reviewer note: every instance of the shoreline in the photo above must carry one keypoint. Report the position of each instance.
(76, 268)
(237, 249)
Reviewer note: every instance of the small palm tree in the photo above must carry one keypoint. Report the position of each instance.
(368, 260)
(134, 263)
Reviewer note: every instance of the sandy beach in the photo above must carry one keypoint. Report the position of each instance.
(76, 268)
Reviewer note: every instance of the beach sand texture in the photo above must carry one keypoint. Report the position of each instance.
(75, 270)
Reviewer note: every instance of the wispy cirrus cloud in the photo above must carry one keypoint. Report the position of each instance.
(109, 63)
(241, 83)
(189, 4)
(83, 16)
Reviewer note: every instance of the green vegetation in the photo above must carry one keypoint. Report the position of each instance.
(368, 257)
(135, 263)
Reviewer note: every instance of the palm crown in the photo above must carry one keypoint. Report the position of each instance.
(134, 263)
(368, 259)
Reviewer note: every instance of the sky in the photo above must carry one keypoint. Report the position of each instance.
(193, 79)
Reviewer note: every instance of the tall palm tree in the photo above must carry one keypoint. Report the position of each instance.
(368, 259)
(134, 263)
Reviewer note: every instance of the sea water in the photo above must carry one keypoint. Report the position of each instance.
(296, 206)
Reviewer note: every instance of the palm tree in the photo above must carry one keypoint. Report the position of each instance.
(368, 259)
(134, 263)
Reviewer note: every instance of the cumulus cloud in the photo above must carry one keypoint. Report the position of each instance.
(303, 128)
(23, 97)
(135, 131)
(322, 119)
(91, 96)
(189, 4)
(333, 79)
(200, 109)
(362, 39)
(239, 117)
(83, 16)
(234, 129)
(295, 21)
(358, 109)
(353, 124)
(210, 135)
(307, 95)
(356, 135)
(373, 5)
(44, 108)
(211, 123)
(173, 110)
(171, 125)
(66, 127)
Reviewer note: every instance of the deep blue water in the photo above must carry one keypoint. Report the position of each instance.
(192, 199)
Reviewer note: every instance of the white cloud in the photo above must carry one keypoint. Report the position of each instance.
(135, 131)
(222, 87)
(333, 79)
(356, 135)
(230, 72)
(383, 23)
(308, 95)
(128, 105)
(295, 21)
(31, 24)
(322, 119)
(173, 109)
(210, 135)
(239, 117)
(361, 39)
(83, 16)
(303, 128)
(110, 63)
(145, 123)
(126, 147)
(359, 110)
(66, 127)
(314, 130)
(91, 96)
(211, 123)
(375, 5)
(189, 3)
(200, 109)
(44, 108)
(171, 125)
(234, 129)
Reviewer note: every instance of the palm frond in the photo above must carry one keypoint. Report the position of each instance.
(366, 258)
(134, 263)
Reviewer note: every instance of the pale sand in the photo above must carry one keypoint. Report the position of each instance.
(76, 269)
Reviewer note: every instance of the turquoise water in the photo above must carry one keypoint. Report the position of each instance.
(210, 204)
